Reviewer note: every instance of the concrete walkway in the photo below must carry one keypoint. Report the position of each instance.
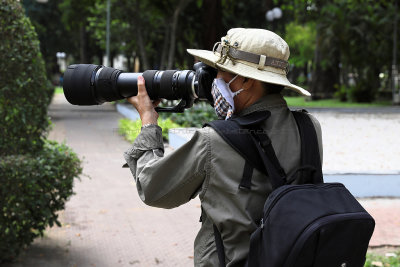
(105, 224)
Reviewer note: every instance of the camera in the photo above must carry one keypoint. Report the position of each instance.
(88, 84)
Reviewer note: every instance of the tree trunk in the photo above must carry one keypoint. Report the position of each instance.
(142, 49)
(181, 6)
(139, 37)
(111, 60)
(165, 45)
(83, 44)
(128, 63)
(324, 78)
(99, 55)
(212, 21)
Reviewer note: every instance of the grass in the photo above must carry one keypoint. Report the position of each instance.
(298, 101)
(131, 129)
(386, 260)
(58, 90)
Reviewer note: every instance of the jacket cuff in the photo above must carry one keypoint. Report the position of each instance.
(150, 138)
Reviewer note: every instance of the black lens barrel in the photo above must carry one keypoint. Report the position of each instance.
(106, 85)
(88, 84)
(127, 83)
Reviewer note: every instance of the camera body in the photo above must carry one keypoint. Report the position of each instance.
(88, 84)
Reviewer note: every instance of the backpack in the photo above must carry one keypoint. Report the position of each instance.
(307, 224)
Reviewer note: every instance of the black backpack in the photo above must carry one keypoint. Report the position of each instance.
(310, 224)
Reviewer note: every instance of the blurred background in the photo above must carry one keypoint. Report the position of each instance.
(343, 49)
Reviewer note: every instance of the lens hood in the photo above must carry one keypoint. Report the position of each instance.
(78, 84)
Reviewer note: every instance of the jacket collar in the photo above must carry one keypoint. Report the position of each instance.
(265, 103)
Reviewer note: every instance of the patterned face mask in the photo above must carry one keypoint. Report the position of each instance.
(223, 98)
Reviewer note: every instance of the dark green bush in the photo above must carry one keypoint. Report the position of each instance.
(363, 92)
(36, 175)
(24, 90)
(193, 117)
(342, 92)
(33, 188)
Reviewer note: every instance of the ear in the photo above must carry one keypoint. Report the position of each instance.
(248, 83)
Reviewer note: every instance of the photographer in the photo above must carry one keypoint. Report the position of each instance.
(251, 67)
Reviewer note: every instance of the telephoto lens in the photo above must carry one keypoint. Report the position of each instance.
(88, 84)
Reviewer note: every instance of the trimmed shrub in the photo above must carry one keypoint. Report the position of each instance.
(36, 175)
(33, 188)
(24, 90)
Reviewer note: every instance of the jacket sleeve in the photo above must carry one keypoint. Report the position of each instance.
(171, 180)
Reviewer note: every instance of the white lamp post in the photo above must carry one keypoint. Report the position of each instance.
(269, 15)
(277, 12)
(61, 61)
(273, 14)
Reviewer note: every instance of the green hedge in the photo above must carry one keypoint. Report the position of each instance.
(36, 175)
(24, 89)
(33, 188)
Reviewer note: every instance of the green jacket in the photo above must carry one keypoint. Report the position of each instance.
(207, 166)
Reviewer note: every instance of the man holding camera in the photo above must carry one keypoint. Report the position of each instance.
(252, 66)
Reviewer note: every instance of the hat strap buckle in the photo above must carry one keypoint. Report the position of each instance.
(225, 51)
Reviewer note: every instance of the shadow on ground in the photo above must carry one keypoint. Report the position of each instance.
(46, 252)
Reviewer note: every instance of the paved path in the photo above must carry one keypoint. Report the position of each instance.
(105, 224)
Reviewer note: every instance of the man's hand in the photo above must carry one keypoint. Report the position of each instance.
(143, 104)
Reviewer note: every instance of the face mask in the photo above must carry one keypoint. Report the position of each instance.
(223, 98)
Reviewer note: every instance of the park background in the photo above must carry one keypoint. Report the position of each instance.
(343, 52)
(338, 48)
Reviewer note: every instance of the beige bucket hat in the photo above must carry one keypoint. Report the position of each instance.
(253, 53)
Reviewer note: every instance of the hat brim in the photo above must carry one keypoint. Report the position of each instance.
(246, 70)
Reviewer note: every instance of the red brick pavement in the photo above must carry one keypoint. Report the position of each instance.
(386, 213)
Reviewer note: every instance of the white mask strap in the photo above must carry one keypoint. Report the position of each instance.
(237, 92)
(234, 78)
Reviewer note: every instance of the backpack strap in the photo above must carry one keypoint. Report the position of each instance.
(220, 247)
(245, 183)
(245, 135)
(310, 170)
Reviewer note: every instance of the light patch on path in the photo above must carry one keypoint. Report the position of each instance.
(360, 143)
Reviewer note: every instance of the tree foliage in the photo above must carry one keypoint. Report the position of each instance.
(302, 42)
(53, 37)
(353, 37)
(332, 39)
